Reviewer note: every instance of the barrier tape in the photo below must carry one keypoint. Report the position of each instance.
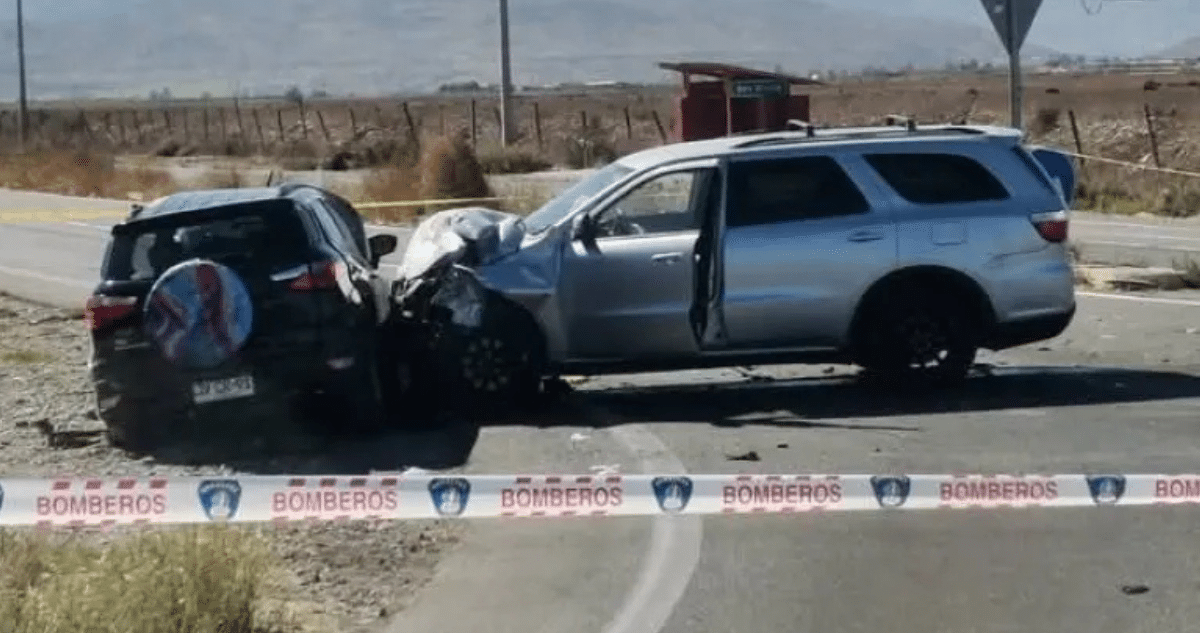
(83, 502)
(1125, 163)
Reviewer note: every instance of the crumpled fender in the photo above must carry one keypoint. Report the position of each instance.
(471, 236)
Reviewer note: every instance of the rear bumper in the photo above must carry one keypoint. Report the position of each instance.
(1025, 331)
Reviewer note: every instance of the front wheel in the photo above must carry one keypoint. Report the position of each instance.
(924, 339)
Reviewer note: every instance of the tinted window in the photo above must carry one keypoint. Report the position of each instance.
(268, 239)
(791, 189)
(336, 232)
(937, 178)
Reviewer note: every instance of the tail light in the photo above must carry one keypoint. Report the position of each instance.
(102, 311)
(1052, 225)
(319, 276)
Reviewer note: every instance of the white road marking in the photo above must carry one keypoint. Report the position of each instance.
(1176, 302)
(674, 550)
(21, 272)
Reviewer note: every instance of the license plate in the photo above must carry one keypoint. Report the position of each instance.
(204, 391)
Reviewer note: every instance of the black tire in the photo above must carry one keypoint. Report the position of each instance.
(919, 338)
(133, 425)
(502, 360)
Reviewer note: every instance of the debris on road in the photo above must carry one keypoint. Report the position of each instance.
(752, 456)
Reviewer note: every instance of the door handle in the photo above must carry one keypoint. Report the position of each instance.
(666, 258)
(865, 236)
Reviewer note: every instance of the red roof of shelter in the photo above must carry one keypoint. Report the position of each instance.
(729, 71)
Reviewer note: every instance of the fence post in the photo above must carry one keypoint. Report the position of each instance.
(1075, 133)
(474, 128)
(537, 123)
(662, 133)
(412, 127)
(167, 121)
(224, 126)
(441, 119)
(137, 125)
(262, 140)
(353, 123)
(87, 127)
(237, 113)
(583, 121)
(628, 124)
(187, 133)
(303, 120)
(1153, 135)
(324, 130)
(279, 120)
(204, 122)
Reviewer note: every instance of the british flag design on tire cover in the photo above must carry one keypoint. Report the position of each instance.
(199, 313)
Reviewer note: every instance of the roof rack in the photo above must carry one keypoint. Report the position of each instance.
(909, 129)
(796, 124)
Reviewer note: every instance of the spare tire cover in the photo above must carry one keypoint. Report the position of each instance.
(199, 314)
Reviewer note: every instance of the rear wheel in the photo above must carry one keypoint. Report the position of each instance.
(925, 339)
(137, 426)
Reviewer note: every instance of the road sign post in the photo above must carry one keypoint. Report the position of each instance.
(1012, 19)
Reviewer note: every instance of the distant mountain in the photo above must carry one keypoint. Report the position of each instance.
(386, 46)
(1187, 48)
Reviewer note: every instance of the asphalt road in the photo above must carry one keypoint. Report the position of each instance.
(1117, 392)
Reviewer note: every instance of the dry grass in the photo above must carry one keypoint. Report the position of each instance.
(80, 173)
(450, 170)
(24, 357)
(198, 580)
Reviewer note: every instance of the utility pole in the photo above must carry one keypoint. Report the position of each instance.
(506, 130)
(23, 106)
(1014, 65)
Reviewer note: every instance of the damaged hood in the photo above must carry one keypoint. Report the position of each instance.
(476, 234)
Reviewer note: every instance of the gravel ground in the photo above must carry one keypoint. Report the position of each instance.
(344, 576)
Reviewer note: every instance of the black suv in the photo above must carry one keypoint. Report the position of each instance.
(227, 304)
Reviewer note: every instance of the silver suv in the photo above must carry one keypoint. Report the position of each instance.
(901, 249)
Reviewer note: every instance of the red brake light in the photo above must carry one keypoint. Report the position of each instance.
(1052, 225)
(102, 311)
(320, 276)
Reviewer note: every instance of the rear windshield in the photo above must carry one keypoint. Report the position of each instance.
(260, 237)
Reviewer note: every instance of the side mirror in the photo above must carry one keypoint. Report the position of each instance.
(583, 228)
(382, 244)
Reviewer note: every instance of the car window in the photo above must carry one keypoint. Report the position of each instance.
(350, 218)
(267, 240)
(937, 178)
(790, 189)
(336, 231)
(663, 204)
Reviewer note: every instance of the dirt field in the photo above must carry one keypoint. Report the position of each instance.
(581, 130)
(338, 576)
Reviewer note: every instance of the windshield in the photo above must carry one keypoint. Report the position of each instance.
(562, 205)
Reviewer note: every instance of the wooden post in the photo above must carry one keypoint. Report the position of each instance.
(303, 121)
(279, 120)
(474, 123)
(138, 127)
(224, 125)
(87, 127)
(1075, 133)
(262, 140)
(321, 120)
(1153, 136)
(662, 133)
(237, 113)
(628, 124)
(187, 133)
(204, 122)
(412, 127)
(167, 121)
(353, 123)
(537, 123)
(583, 121)
(499, 120)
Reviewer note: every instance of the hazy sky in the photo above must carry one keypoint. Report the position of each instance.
(1117, 27)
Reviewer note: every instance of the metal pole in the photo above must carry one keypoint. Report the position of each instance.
(23, 111)
(1014, 66)
(506, 130)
